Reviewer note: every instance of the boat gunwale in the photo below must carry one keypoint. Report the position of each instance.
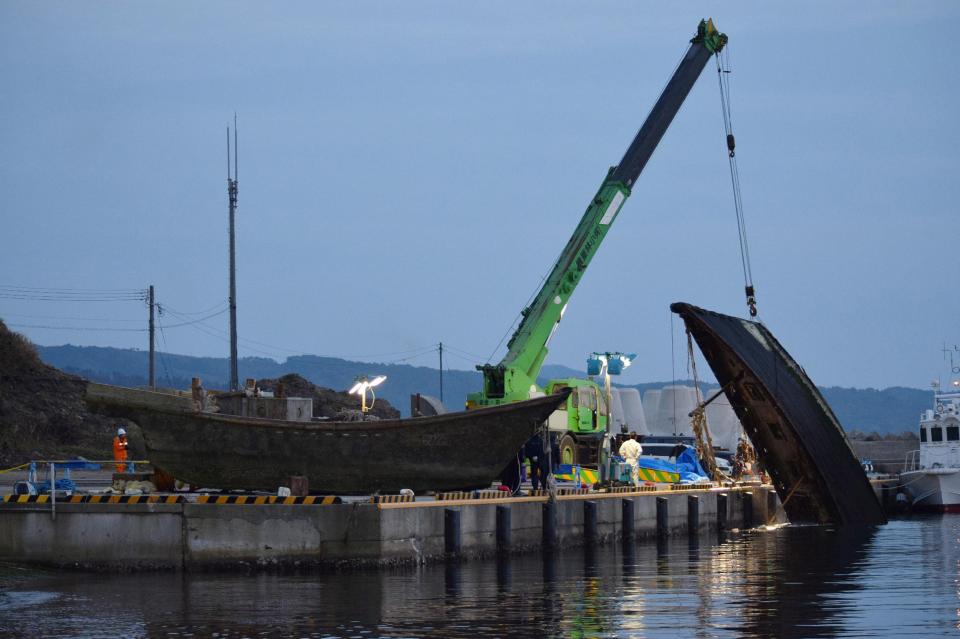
(321, 426)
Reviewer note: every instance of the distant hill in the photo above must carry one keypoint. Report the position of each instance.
(891, 410)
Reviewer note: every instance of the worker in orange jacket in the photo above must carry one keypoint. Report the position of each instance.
(120, 444)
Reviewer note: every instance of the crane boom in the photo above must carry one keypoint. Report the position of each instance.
(515, 376)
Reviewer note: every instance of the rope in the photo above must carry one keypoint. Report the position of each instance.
(10, 470)
(723, 73)
(698, 420)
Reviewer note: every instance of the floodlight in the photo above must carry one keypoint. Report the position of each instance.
(362, 385)
(594, 365)
(615, 366)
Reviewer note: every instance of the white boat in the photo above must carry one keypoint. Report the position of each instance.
(931, 475)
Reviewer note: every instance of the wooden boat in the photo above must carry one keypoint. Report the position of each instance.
(797, 437)
(454, 451)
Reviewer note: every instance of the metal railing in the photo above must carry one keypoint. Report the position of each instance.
(911, 461)
(67, 484)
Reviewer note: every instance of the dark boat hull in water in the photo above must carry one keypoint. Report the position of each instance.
(454, 451)
(796, 435)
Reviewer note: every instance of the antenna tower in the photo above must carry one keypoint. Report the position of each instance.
(232, 194)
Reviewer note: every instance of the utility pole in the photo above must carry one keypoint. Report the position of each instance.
(441, 372)
(232, 195)
(152, 377)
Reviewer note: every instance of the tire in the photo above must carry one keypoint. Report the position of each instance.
(568, 450)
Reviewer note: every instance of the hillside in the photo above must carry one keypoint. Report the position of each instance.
(42, 413)
(890, 410)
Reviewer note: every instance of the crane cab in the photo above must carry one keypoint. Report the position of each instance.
(580, 424)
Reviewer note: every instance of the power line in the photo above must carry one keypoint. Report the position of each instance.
(194, 321)
(78, 319)
(38, 294)
(81, 328)
(463, 352)
(63, 298)
(37, 289)
(216, 307)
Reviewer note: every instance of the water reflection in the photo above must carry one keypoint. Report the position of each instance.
(809, 582)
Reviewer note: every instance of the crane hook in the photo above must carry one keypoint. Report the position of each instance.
(751, 300)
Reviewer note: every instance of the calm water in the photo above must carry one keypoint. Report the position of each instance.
(898, 580)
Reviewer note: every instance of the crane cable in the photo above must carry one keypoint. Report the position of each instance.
(723, 73)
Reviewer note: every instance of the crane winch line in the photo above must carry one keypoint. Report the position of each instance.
(723, 73)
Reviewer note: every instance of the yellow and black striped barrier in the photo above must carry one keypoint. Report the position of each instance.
(127, 499)
(458, 495)
(573, 491)
(633, 489)
(391, 499)
(701, 486)
(26, 499)
(261, 500)
(540, 492)
(96, 499)
(490, 494)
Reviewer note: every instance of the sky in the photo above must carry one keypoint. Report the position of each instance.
(408, 172)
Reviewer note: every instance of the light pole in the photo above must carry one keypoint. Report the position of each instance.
(360, 387)
(608, 364)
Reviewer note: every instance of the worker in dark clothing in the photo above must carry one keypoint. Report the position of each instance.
(554, 452)
(533, 450)
(510, 477)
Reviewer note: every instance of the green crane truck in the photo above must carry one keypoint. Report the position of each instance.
(582, 424)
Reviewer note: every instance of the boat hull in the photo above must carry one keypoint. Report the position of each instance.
(934, 489)
(455, 451)
(796, 435)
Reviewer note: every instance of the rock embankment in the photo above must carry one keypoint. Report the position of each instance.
(326, 401)
(42, 413)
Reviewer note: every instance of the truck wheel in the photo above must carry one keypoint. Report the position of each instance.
(568, 450)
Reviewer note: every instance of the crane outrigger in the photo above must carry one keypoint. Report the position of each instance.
(515, 377)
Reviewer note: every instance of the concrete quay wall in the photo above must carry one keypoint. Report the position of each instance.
(190, 536)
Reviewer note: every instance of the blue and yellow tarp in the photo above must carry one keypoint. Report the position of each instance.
(588, 476)
(658, 476)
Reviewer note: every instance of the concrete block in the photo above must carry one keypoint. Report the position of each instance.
(134, 537)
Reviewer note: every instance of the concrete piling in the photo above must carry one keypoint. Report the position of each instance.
(504, 528)
(589, 522)
(663, 517)
(549, 511)
(693, 515)
(451, 531)
(722, 512)
(746, 500)
(628, 518)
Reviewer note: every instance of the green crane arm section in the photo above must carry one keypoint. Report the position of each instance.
(515, 376)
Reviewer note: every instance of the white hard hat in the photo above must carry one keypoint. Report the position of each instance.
(120, 431)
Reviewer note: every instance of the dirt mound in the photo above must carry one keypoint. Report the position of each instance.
(42, 413)
(326, 401)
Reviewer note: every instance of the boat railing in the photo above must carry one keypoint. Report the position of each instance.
(911, 461)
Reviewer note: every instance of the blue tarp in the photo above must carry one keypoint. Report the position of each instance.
(687, 462)
(687, 469)
(64, 484)
(78, 464)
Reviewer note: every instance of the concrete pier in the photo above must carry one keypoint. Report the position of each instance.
(195, 536)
